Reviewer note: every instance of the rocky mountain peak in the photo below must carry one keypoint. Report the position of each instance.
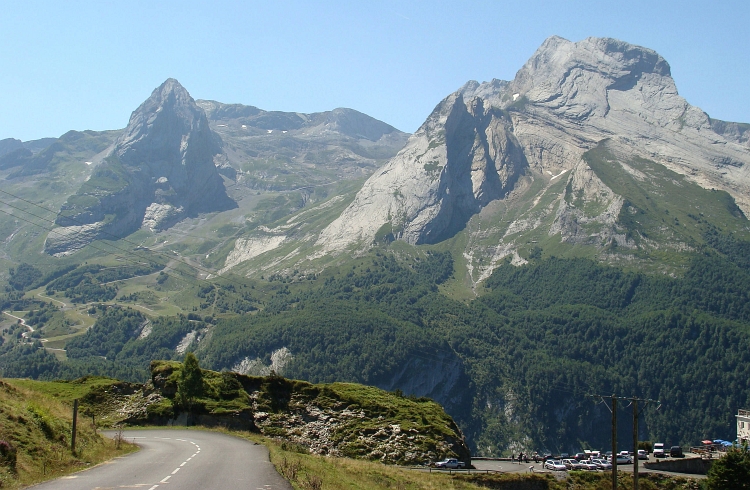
(577, 77)
(161, 169)
(497, 145)
(163, 127)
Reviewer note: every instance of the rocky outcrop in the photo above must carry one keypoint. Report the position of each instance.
(493, 146)
(160, 169)
(463, 157)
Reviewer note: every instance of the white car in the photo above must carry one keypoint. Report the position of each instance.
(450, 463)
(554, 465)
(572, 464)
(589, 465)
(622, 459)
(602, 464)
(642, 454)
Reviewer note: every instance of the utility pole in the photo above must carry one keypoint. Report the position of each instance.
(634, 401)
(614, 442)
(635, 443)
(75, 419)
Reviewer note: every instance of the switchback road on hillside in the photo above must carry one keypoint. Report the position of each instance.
(180, 460)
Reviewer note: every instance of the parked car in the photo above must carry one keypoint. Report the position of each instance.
(589, 465)
(622, 459)
(580, 456)
(642, 454)
(676, 452)
(450, 463)
(602, 464)
(659, 450)
(554, 465)
(572, 464)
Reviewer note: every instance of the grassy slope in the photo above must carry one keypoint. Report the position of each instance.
(36, 419)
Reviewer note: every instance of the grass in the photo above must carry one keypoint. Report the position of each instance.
(311, 472)
(36, 420)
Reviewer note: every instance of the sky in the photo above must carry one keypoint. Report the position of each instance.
(88, 64)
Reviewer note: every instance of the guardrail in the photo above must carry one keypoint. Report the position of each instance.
(450, 471)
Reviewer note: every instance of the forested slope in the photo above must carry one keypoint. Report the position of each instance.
(515, 367)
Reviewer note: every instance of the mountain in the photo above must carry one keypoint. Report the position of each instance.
(578, 230)
(512, 163)
(273, 150)
(160, 169)
(8, 145)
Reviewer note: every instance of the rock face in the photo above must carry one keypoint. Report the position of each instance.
(489, 146)
(161, 169)
(463, 157)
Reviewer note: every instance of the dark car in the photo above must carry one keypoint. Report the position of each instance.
(676, 452)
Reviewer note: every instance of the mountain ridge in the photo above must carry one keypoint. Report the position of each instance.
(568, 99)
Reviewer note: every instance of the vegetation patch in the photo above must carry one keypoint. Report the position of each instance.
(35, 435)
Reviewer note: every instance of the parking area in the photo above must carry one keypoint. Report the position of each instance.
(506, 466)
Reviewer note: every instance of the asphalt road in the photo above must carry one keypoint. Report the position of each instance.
(180, 460)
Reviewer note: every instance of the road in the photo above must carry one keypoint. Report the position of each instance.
(180, 460)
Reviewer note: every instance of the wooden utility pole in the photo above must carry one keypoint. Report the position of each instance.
(614, 442)
(613, 409)
(75, 420)
(635, 443)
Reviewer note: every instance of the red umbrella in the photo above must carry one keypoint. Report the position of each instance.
(707, 442)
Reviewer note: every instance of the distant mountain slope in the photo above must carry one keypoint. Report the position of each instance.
(507, 160)
(276, 150)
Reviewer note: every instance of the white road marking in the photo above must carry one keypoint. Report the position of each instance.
(165, 480)
(183, 464)
(175, 471)
(191, 457)
(183, 440)
(152, 488)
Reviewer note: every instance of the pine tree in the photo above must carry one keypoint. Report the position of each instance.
(731, 472)
(190, 384)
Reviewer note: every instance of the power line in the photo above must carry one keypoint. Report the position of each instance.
(634, 402)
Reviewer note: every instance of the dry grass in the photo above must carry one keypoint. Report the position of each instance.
(38, 429)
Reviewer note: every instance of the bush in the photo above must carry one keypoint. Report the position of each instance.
(731, 472)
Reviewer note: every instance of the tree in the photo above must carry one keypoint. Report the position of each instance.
(190, 384)
(731, 472)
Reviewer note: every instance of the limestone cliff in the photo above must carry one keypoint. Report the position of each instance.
(508, 160)
(161, 169)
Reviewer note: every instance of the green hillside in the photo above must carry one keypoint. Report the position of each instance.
(35, 433)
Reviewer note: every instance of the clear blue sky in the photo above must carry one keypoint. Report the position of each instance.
(88, 64)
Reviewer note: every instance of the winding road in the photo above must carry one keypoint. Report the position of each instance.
(177, 460)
